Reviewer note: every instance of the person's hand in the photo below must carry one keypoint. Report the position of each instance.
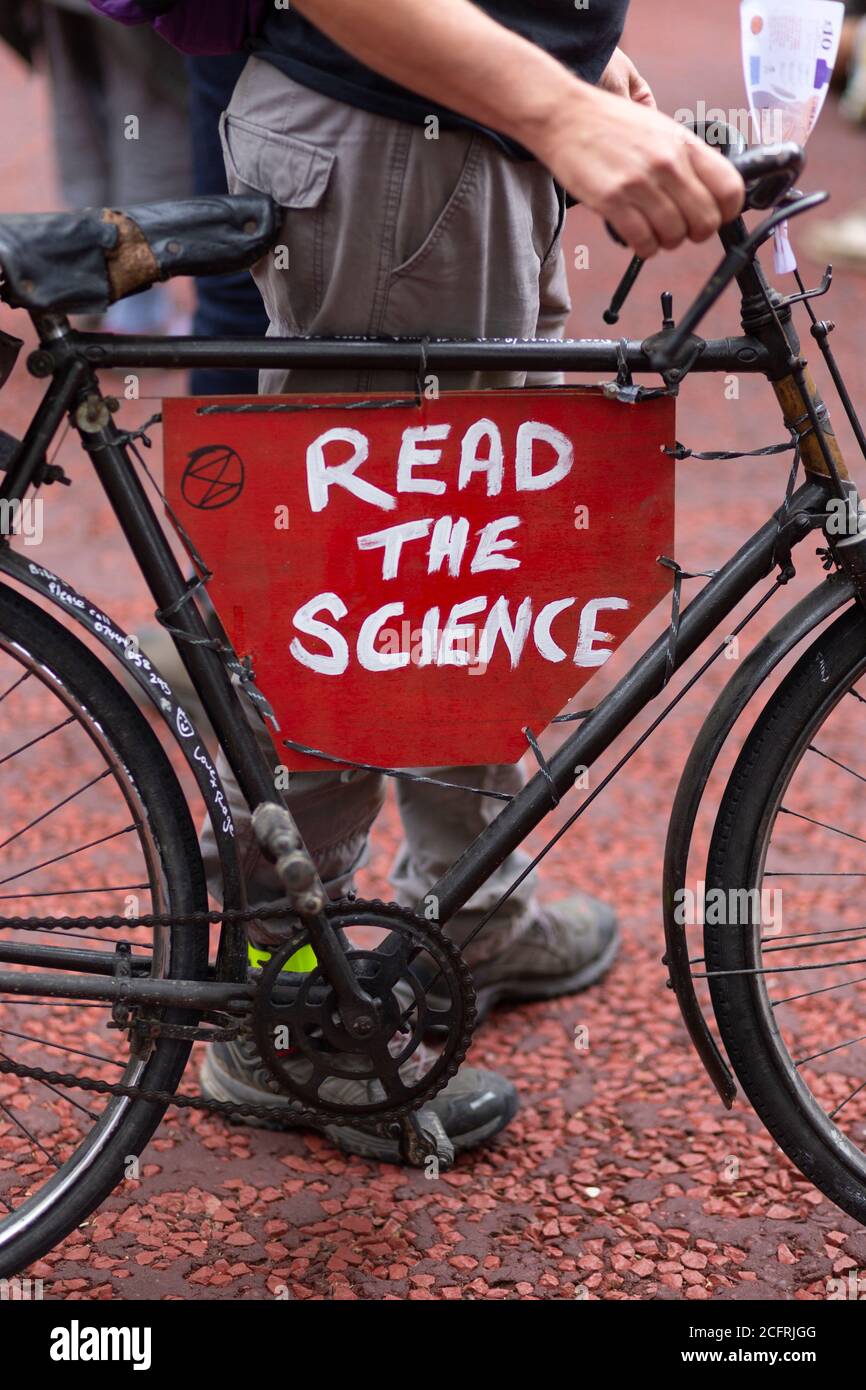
(654, 181)
(622, 79)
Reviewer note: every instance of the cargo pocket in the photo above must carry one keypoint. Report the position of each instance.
(296, 175)
(446, 220)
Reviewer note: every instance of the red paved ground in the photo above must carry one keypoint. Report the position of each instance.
(615, 1177)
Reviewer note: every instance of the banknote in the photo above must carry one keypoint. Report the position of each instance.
(789, 51)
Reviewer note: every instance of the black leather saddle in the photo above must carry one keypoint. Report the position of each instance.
(83, 261)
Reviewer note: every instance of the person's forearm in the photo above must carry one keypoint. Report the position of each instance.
(654, 182)
(455, 54)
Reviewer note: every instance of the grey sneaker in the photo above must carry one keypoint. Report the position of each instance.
(474, 1106)
(568, 947)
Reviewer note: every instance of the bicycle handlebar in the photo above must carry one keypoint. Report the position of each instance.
(666, 354)
(769, 171)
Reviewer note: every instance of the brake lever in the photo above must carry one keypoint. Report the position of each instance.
(623, 289)
(626, 284)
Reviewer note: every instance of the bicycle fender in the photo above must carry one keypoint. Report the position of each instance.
(125, 650)
(792, 628)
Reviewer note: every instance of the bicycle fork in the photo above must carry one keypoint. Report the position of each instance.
(768, 317)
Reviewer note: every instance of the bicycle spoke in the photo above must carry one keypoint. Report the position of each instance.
(842, 1104)
(63, 1095)
(16, 752)
(50, 1003)
(836, 763)
(849, 834)
(71, 892)
(19, 1124)
(825, 1052)
(825, 938)
(61, 1047)
(822, 935)
(781, 969)
(59, 805)
(61, 934)
(91, 844)
(79, 834)
(15, 684)
(824, 989)
(811, 945)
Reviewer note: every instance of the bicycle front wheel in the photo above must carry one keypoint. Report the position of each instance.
(94, 823)
(786, 951)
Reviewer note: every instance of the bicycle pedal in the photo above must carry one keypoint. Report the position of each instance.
(423, 1139)
(279, 838)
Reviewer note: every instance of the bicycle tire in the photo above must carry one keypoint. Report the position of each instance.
(163, 803)
(747, 814)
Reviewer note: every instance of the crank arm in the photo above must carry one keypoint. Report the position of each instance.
(281, 841)
(422, 1137)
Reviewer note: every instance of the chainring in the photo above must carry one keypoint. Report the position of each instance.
(309, 1053)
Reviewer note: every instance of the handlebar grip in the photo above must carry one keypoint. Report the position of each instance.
(769, 171)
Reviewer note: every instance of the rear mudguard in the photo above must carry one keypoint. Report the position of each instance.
(796, 625)
(158, 691)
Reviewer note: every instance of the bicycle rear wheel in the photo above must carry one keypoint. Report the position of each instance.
(94, 824)
(787, 962)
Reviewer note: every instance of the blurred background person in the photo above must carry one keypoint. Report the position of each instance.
(120, 122)
(842, 240)
(133, 122)
(226, 305)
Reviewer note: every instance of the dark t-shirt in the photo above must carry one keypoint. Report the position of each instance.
(582, 39)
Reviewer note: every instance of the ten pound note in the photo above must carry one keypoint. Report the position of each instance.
(789, 52)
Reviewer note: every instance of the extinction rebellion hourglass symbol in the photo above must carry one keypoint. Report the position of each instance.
(213, 478)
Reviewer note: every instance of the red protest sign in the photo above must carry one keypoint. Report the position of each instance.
(416, 582)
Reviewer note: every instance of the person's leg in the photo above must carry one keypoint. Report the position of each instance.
(841, 240)
(334, 812)
(77, 107)
(148, 146)
(387, 232)
(147, 121)
(226, 305)
(526, 951)
(364, 197)
(438, 824)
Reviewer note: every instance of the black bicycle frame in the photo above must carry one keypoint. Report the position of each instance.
(72, 360)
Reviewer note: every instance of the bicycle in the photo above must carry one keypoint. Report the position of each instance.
(364, 1007)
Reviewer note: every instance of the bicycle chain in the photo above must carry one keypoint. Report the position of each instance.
(260, 912)
(231, 1109)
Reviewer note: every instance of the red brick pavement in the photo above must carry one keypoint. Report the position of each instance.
(612, 1177)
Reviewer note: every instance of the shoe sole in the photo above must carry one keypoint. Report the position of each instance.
(215, 1085)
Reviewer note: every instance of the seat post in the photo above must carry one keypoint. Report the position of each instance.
(52, 327)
